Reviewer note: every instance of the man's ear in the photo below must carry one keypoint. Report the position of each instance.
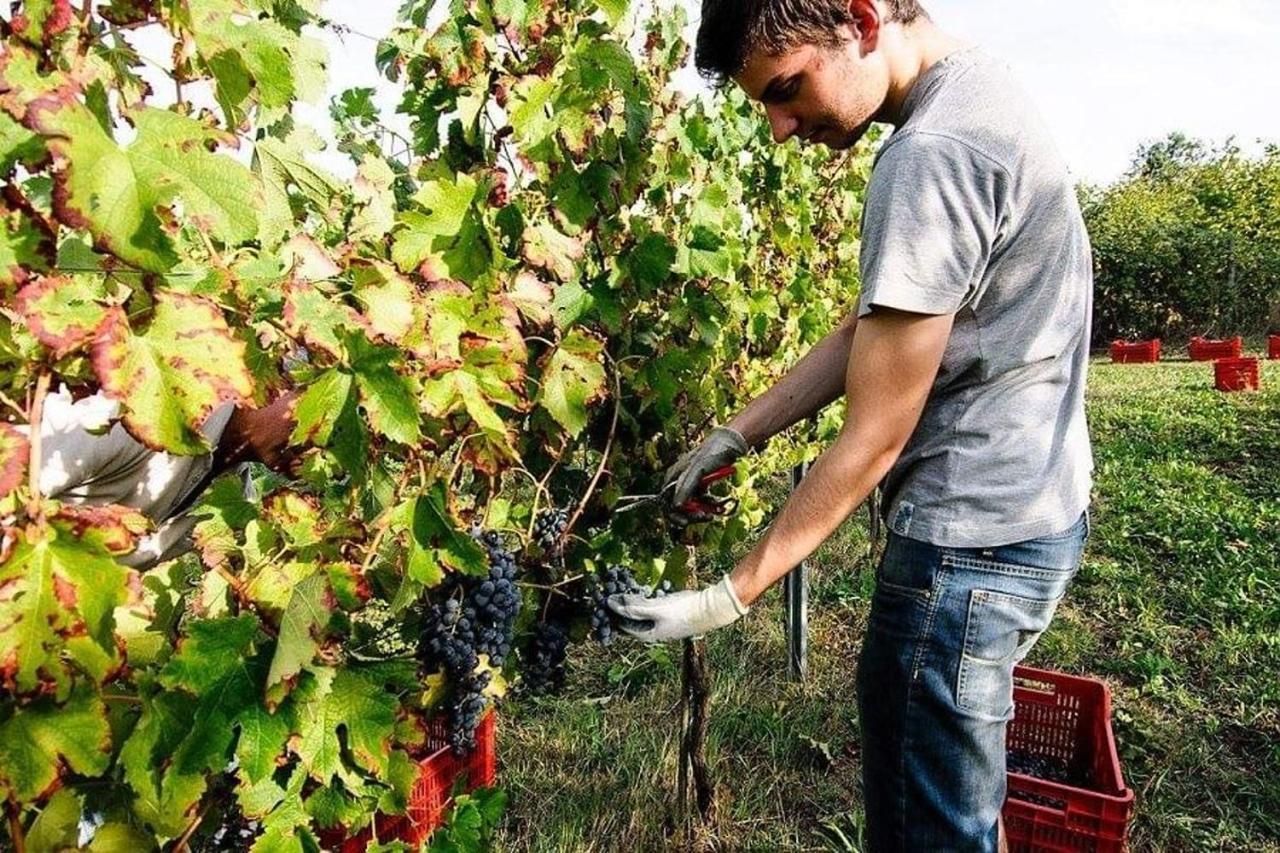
(865, 20)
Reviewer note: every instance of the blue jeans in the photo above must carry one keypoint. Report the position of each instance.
(935, 682)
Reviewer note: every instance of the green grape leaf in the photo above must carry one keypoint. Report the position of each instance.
(18, 146)
(214, 682)
(14, 453)
(649, 262)
(253, 59)
(320, 319)
(42, 738)
(53, 588)
(614, 10)
(434, 531)
(261, 742)
(461, 390)
(223, 511)
(282, 165)
(58, 825)
(115, 193)
(172, 377)
(304, 621)
(353, 701)
(320, 407)
(441, 234)
(387, 397)
(62, 312)
(26, 246)
(572, 380)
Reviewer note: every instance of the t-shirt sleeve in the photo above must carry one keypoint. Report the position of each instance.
(931, 218)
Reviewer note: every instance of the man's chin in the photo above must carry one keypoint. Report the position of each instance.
(846, 141)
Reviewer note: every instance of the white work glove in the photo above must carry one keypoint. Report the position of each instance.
(722, 446)
(678, 615)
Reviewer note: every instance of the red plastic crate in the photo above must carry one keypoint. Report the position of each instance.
(438, 774)
(1066, 719)
(1203, 349)
(1135, 352)
(1273, 346)
(1236, 374)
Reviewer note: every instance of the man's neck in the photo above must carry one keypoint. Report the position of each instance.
(912, 51)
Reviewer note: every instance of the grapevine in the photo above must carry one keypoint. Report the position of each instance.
(553, 282)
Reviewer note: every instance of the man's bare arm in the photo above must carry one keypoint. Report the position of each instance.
(891, 370)
(814, 382)
(260, 435)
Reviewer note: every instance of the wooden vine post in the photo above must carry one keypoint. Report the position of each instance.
(695, 700)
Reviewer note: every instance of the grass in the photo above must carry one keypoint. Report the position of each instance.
(1177, 607)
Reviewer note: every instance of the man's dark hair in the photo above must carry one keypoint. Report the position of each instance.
(732, 29)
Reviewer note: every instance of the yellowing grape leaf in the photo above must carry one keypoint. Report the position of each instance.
(26, 244)
(53, 589)
(43, 738)
(63, 311)
(170, 378)
(14, 452)
(548, 249)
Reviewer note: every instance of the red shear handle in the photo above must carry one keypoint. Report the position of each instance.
(718, 475)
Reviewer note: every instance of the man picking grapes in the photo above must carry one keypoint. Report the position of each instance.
(963, 373)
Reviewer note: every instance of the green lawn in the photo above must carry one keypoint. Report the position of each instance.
(1177, 607)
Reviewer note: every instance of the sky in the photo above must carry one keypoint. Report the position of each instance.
(1107, 75)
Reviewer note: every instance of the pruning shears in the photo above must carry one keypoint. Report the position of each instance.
(701, 506)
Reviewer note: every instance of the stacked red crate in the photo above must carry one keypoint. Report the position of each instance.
(1236, 374)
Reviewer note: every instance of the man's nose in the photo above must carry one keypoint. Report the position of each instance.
(783, 124)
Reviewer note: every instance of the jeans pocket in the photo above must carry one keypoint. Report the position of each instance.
(1000, 630)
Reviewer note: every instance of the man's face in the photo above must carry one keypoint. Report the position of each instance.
(827, 95)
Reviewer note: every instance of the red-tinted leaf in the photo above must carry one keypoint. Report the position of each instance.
(14, 452)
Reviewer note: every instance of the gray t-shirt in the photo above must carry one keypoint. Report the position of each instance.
(971, 211)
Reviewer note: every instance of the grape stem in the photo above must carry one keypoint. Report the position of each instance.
(15, 828)
(36, 507)
(181, 844)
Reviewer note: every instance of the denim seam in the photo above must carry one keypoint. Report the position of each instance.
(934, 603)
(958, 561)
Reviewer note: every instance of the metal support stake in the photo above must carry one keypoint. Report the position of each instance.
(795, 596)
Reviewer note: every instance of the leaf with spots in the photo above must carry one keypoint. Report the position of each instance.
(124, 196)
(58, 594)
(572, 380)
(63, 311)
(301, 629)
(172, 376)
(14, 452)
(45, 739)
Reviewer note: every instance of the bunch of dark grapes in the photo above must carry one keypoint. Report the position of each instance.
(236, 833)
(549, 526)
(466, 707)
(617, 580)
(1039, 766)
(544, 671)
(475, 617)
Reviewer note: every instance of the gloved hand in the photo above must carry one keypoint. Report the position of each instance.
(722, 446)
(678, 615)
